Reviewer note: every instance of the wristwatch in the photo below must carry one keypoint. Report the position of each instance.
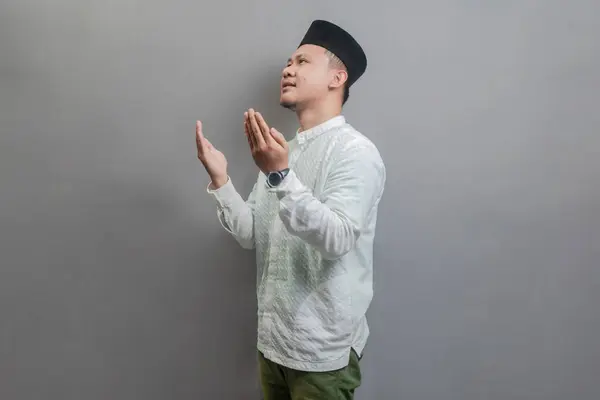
(276, 177)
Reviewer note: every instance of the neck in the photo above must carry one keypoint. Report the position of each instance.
(315, 115)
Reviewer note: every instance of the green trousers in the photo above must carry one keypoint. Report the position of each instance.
(282, 383)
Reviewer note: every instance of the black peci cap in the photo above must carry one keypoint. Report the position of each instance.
(339, 42)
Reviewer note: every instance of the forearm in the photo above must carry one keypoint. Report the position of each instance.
(235, 214)
(333, 222)
(304, 216)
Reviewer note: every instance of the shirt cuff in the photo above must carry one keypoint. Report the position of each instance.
(290, 184)
(225, 194)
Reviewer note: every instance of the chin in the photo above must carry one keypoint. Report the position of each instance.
(287, 103)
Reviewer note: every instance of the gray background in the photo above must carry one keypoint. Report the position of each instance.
(112, 284)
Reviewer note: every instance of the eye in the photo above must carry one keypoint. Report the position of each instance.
(302, 61)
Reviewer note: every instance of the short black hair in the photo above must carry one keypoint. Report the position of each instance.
(337, 63)
(346, 93)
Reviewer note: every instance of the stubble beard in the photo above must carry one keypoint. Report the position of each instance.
(288, 105)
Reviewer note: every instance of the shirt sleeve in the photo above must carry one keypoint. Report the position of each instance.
(334, 222)
(235, 215)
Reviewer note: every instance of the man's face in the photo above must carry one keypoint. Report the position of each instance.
(306, 77)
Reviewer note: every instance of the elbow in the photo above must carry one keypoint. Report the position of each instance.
(245, 238)
(333, 237)
(247, 244)
(333, 255)
(340, 244)
(242, 229)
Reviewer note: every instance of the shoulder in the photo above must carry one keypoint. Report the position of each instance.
(351, 144)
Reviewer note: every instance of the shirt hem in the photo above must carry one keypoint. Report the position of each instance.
(312, 366)
(307, 366)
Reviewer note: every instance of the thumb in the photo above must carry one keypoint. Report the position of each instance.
(199, 129)
(278, 136)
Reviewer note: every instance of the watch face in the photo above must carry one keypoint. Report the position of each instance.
(274, 179)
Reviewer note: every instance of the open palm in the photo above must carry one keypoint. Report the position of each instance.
(213, 160)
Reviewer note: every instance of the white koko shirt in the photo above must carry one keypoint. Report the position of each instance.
(313, 236)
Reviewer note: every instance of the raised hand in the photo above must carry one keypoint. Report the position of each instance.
(213, 160)
(268, 146)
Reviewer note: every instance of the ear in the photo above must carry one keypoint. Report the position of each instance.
(338, 79)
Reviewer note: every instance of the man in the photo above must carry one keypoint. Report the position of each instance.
(311, 218)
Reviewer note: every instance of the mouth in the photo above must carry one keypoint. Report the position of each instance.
(286, 85)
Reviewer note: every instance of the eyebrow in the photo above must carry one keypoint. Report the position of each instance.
(296, 56)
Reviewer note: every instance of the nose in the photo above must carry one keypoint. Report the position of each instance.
(287, 72)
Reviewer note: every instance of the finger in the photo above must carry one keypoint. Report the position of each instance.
(248, 135)
(202, 142)
(200, 137)
(264, 128)
(278, 137)
(259, 140)
(248, 131)
(198, 130)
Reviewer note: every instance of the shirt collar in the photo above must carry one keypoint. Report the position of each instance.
(309, 134)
